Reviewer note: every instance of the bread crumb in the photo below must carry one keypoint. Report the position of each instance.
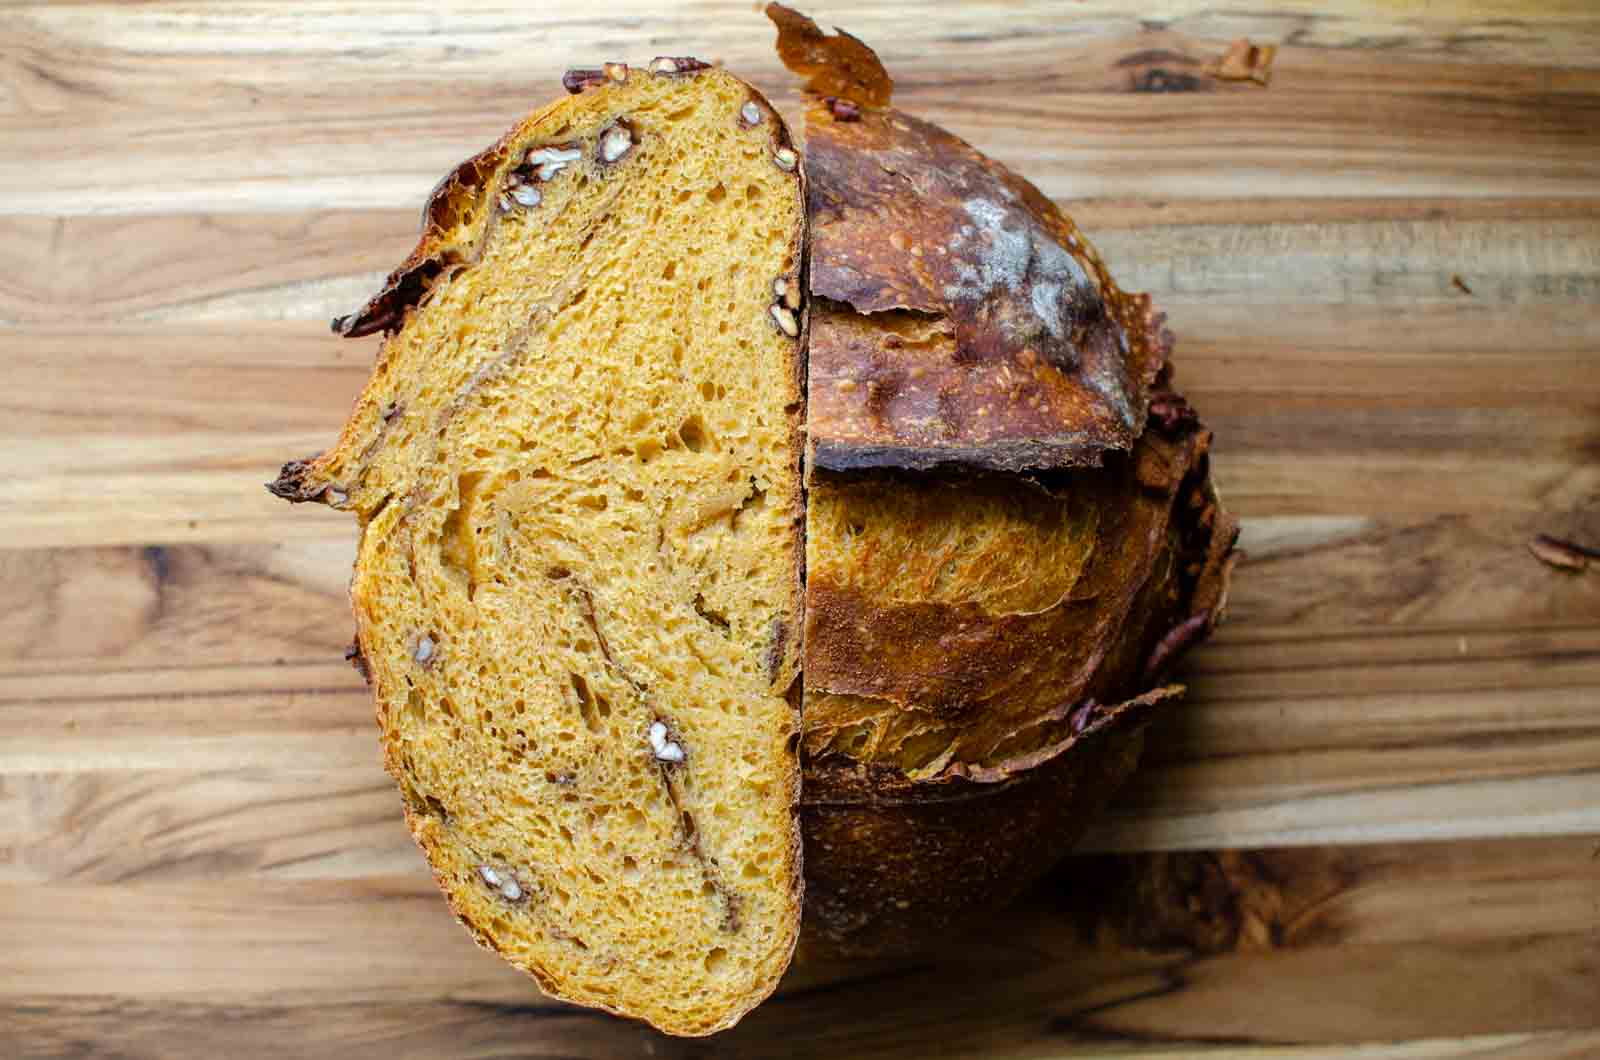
(1244, 61)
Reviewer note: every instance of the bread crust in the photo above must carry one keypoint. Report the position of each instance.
(1035, 359)
(966, 336)
(1043, 713)
(895, 865)
(988, 676)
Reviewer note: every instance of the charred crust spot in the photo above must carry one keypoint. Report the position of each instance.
(1172, 413)
(291, 484)
(388, 308)
(354, 656)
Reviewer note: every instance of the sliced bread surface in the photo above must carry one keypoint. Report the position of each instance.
(577, 592)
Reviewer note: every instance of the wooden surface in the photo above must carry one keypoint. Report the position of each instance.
(1374, 828)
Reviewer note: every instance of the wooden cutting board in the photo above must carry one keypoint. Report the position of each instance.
(1376, 819)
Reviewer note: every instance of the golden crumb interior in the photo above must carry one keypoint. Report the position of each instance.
(577, 586)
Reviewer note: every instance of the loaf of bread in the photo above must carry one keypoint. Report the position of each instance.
(577, 592)
(1010, 531)
(646, 610)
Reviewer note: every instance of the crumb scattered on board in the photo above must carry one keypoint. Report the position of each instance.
(1459, 284)
(1560, 554)
(1244, 61)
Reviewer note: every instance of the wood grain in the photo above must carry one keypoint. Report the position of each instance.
(221, 267)
(331, 91)
(1390, 939)
(1371, 830)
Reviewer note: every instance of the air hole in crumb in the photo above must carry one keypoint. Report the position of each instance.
(670, 271)
(693, 433)
(416, 709)
(718, 193)
(753, 192)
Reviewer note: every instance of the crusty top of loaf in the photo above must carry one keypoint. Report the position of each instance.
(1029, 355)
(975, 326)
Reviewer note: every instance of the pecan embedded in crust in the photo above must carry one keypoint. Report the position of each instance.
(575, 81)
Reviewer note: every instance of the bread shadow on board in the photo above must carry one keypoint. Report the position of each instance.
(1074, 962)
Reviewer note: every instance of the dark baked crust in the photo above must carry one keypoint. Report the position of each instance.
(965, 337)
(893, 865)
(991, 677)
(1030, 356)
(1046, 713)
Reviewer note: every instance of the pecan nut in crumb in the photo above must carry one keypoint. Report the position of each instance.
(575, 81)
(614, 143)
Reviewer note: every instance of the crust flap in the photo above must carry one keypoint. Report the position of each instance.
(839, 66)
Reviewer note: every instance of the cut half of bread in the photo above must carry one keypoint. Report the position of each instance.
(577, 593)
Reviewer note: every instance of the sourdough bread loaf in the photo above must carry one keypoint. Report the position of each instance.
(1010, 528)
(577, 591)
(675, 432)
